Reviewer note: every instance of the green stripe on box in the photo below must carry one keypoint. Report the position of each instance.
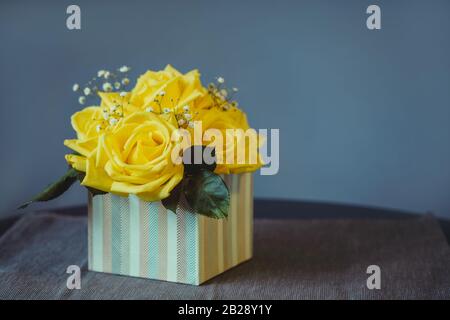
(162, 242)
(191, 248)
(97, 233)
(171, 245)
(134, 234)
(181, 246)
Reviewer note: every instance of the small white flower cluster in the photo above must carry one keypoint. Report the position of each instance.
(183, 117)
(111, 116)
(159, 100)
(107, 81)
(222, 96)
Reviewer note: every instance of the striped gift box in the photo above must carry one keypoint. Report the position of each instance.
(128, 236)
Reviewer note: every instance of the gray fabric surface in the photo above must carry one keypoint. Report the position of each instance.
(293, 259)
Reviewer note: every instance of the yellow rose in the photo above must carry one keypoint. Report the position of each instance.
(234, 118)
(133, 157)
(93, 121)
(169, 89)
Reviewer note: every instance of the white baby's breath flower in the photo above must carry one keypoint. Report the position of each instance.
(107, 74)
(124, 69)
(98, 128)
(191, 124)
(181, 122)
(87, 91)
(166, 110)
(162, 93)
(123, 94)
(113, 121)
(107, 86)
(235, 89)
(220, 80)
(125, 81)
(187, 116)
(75, 87)
(224, 93)
(100, 73)
(82, 100)
(105, 114)
(117, 85)
(186, 108)
(113, 108)
(149, 109)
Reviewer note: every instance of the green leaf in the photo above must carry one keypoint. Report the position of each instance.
(202, 153)
(207, 194)
(56, 189)
(171, 202)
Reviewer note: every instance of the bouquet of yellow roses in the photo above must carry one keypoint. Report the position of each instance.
(129, 143)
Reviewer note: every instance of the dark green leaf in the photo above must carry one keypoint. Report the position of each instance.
(207, 194)
(56, 189)
(171, 202)
(198, 158)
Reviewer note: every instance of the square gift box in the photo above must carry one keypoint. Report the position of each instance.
(128, 236)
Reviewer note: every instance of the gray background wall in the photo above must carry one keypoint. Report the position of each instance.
(364, 115)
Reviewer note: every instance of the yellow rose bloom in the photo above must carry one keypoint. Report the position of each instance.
(93, 121)
(234, 118)
(133, 157)
(169, 89)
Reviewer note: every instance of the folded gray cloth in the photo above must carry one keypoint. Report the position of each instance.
(293, 259)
